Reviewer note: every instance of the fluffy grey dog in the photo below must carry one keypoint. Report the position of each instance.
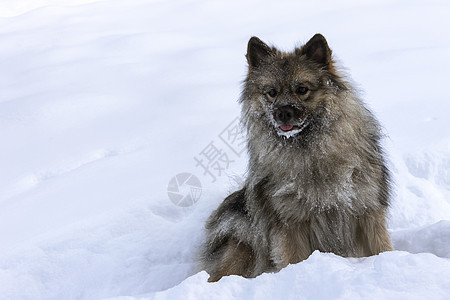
(317, 179)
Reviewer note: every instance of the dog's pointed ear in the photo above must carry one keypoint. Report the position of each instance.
(317, 50)
(257, 52)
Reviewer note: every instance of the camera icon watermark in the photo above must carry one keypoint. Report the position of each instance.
(184, 189)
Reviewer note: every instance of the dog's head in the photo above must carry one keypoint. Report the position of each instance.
(290, 91)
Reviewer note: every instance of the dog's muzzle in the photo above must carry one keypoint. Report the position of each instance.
(290, 120)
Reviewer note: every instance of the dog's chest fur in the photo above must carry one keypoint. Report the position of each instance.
(317, 195)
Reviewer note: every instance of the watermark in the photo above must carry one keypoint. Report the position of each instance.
(214, 160)
(233, 137)
(184, 189)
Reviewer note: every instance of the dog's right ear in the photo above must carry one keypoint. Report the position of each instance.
(257, 52)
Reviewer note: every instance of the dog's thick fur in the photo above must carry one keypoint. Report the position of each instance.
(317, 179)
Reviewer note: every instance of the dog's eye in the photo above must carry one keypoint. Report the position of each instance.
(301, 90)
(272, 93)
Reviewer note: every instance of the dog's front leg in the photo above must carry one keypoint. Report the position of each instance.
(289, 245)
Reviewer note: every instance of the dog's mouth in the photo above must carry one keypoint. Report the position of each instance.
(287, 127)
(289, 130)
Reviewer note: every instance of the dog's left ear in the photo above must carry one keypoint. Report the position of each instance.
(317, 50)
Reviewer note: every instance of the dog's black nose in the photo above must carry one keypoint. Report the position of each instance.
(284, 114)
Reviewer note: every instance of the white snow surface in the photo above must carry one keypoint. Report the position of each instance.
(102, 103)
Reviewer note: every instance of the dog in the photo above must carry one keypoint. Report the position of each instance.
(317, 174)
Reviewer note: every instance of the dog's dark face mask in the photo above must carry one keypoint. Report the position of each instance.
(291, 88)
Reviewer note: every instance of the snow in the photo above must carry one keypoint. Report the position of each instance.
(103, 103)
(398, 275)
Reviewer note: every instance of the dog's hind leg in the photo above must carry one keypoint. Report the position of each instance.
(235, 259)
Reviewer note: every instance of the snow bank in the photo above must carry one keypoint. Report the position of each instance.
(395, 275)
